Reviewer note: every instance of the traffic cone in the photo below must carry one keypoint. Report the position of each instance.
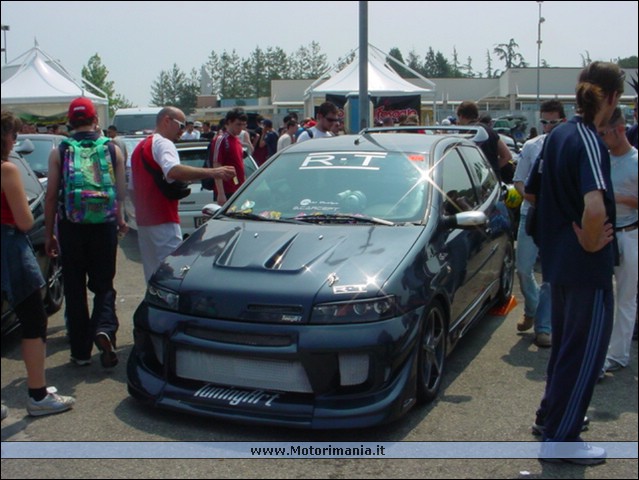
(504, 308)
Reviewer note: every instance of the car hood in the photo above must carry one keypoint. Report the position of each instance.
(241, 263)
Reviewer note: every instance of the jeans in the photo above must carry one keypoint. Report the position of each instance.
(88, 251)
(536, 298)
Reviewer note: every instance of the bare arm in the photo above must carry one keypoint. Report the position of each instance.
(503, 153)
(16, 196)
(520, 188)
(596, 231)
(628, 200)
(51, 203)
(186, 173)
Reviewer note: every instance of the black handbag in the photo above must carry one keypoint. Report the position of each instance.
(175, 190)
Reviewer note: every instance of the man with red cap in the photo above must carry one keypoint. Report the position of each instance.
(86, 249)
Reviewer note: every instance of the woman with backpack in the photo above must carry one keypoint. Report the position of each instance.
(22, 280)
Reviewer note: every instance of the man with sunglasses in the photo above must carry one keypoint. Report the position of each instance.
(157, 216)
(327, 115)
(536, 298)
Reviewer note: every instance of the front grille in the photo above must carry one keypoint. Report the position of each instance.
(264, 373)
(240, 338)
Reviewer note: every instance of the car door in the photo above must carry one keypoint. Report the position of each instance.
(463, 247)
(490, 239)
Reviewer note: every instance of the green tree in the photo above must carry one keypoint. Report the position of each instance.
(174, 88)
(277, 65)
(468, 68)
(397, 55)
(507, 52)
(443, 69)
(231, 75)
(308, 62)
(414, 62)
(585, 59)
(95, 74)
(455, 67)
(489, 65)
(628, 62)
(430, 64)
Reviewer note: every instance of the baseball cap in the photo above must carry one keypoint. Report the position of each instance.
(267, 123)
(81, 109)
(197, 124)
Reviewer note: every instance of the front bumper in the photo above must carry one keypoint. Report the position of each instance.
(324, 376)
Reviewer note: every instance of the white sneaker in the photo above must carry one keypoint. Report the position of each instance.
(580, 453)
(52, 403)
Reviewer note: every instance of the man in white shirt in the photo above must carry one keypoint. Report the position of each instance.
(327, 114)
(288, 137)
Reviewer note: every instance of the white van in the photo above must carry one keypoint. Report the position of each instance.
(132, 121)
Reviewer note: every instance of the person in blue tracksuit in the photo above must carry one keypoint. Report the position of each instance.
(577, 249)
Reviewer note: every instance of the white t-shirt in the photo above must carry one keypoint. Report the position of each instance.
(316, 134)
(165, 154)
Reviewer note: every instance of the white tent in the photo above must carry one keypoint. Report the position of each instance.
(35, 86)
(383, 81)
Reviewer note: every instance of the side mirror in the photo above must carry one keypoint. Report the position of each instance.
(210, 209)
(465, 220)
(24, 147)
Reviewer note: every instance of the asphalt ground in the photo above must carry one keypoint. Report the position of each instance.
(493, 384)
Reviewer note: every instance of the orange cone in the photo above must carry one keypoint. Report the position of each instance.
(504, 308)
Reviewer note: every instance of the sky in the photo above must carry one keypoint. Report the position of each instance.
(136, 40)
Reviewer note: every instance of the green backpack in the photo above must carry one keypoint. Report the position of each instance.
(88, 181)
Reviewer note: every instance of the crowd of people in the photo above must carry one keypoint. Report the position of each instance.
(578, 178)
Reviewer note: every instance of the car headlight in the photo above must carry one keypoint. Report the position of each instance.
(359, 311)
(162, 297)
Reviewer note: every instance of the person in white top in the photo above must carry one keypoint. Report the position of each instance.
(190, 133)
(288, 137)
(623, 163)
(327, 115)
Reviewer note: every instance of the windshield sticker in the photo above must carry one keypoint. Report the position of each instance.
(342, 160)
(234, 396)
(309, 205)
(416, 158)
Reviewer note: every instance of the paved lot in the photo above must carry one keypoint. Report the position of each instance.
(493, 385)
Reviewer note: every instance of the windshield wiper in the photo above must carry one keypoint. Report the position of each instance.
(343, 218)
(253, 216)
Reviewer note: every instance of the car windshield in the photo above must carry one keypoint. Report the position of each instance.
(339, 187)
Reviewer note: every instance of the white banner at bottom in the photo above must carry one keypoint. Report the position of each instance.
(295, 450)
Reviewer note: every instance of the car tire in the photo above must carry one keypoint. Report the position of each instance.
(54, 295)
(506, 276)
(432, 353)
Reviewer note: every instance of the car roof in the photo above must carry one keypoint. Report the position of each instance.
(376, 141)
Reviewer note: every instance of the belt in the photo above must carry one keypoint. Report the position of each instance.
(627, 228)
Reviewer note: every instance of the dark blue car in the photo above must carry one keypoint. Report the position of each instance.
(329, 290)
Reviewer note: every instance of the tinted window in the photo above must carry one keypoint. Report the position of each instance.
(481, 171)
(456, 184)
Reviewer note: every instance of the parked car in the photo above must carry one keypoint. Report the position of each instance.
(330, 288)
(191, 153)
(38, 159)
(53, 291)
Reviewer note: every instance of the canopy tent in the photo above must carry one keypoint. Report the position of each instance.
(383, 81)
(38, 88)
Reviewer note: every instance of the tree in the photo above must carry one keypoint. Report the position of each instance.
(308, 62)
(454, 70)
(95, 74)
(508, 53)
(585, 60)
(628, 62)
(430, 64)
(468, 68)
(174, 88)
(443, 68)
(413, 61)
(397, 55)
(489, 65)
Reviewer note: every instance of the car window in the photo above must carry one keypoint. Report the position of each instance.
(387, 185)
(32, 186)
(193, 157)
(39, 158)
(457, 185)
(481, 171)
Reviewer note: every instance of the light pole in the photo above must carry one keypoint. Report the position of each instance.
(541, 20)
(5, 28)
